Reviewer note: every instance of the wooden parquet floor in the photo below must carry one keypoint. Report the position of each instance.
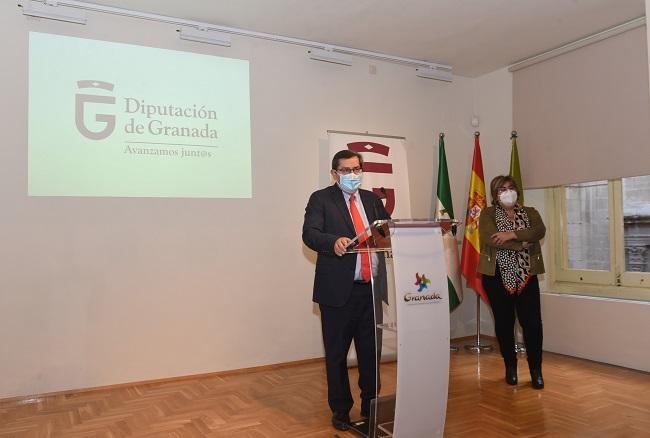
(581, 399)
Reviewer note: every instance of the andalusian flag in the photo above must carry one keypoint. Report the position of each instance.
(515, 171)
(475, 204)
(445, 210)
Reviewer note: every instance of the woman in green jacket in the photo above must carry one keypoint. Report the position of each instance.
(511, 258)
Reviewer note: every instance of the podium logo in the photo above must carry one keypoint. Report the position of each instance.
(422, 296)
(80, 104)
(422, 281)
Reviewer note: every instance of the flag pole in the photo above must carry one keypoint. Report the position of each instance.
(478, 346)
(515, 171)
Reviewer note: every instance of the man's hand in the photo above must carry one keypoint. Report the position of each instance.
(340, 245)
(502, 237)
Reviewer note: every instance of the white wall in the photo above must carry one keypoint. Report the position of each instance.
(605, 330)
(104, 291)
(492, 103)
(598, 329)
(98, 291)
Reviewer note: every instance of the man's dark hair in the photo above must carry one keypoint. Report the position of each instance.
(344, 155)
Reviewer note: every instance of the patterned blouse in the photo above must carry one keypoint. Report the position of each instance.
(514, 266)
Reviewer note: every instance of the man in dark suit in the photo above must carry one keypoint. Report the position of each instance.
(342, 286)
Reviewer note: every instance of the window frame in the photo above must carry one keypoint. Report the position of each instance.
(614, 283)
(626, 278)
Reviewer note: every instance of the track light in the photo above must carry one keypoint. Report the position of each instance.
(437, 72)
(326, 55)
(50, 9)
(204, 36)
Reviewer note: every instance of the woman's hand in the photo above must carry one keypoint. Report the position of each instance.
(502, 237)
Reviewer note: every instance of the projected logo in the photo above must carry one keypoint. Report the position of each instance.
(422, 296)
(123, 120)
(82, 99)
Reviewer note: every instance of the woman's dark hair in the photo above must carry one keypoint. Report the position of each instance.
(499, 181)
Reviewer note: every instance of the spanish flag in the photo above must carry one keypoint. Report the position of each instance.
(476, 202)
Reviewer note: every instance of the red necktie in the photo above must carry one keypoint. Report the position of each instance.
(357, 220)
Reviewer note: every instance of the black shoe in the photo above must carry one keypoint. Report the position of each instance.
(511, 375)
(536, 378)
(341, 421)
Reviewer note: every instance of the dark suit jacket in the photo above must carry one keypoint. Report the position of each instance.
(326, 219)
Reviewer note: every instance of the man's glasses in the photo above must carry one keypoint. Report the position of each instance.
(347, 170)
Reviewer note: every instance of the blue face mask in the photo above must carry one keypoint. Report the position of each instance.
(349, 183)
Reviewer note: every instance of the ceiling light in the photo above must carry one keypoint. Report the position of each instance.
(53, 11)
(328, 55)
(437, 72)
(204, 36)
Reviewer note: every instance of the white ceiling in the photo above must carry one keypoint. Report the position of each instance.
(474, 36)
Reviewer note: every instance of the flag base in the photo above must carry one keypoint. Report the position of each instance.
(478, 347)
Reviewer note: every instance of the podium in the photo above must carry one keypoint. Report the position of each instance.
(412, 319)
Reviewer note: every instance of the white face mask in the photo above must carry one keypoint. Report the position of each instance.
(350, 183)
(508, 198)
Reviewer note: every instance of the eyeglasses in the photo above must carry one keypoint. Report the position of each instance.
(347, 171)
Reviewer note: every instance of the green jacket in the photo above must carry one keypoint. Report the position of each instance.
(487, 226)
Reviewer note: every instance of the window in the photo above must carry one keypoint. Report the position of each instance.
(636, 223)
(601, 237)
(587, 226)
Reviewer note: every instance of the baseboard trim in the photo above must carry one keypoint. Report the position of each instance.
(35, 398)
(463, 339)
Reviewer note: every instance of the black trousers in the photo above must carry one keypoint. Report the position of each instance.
(528, 311)
(340, 325)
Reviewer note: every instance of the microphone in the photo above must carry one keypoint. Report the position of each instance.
(379, 228)
(352, 243)
(374, 207)
(374, 204)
